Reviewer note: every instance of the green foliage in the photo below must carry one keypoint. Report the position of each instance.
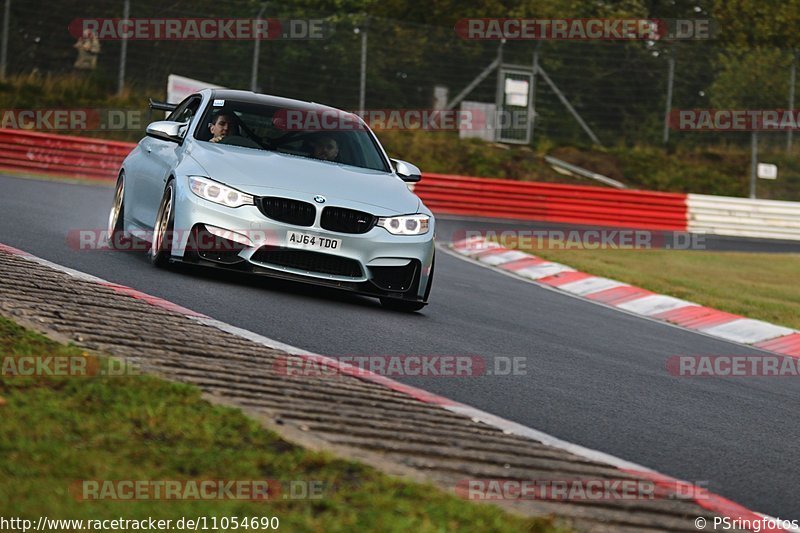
(445, 153)
(747, 79)
(757, 23)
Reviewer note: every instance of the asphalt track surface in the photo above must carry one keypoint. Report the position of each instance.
(595, 376)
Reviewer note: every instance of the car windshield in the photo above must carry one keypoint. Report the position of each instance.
(327, 135)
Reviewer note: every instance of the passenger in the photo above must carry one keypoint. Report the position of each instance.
(325, 148)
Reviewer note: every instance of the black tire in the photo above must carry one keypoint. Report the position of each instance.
(116, 217)
(161, 245)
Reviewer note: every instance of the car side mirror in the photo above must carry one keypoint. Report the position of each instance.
(407, 172)
(166, 130)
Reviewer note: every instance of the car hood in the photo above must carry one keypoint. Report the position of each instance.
(264, 173)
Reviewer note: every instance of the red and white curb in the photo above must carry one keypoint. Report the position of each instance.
(709, 501)
(689, 315)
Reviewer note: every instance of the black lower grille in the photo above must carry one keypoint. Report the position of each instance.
(203, 244)
(309, 261)
(395, 278)
(287, 210)
(346, 220)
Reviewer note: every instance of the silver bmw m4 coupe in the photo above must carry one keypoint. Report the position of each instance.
(279, 187)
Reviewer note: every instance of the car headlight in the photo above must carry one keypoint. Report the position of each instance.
(218, 193)
(405, 225)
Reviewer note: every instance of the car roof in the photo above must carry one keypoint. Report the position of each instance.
(278, 101)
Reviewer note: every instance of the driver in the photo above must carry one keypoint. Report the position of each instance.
(223, 123)
(325, 147)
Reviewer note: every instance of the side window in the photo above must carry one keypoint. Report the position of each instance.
(186, 114)
(185, 110)
(178, 110)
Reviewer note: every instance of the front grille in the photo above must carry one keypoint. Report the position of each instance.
(287, 210)
(308, 261)
(346, 220)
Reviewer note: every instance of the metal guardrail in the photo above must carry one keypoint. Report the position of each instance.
(63, 155)
(574, 204)
(743, 217)
(570, 169)
(40, 153)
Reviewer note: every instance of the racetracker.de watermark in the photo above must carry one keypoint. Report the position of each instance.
(433, 366)
(733, 366)
(73, 119)
(588, 239)
(200, 29)
(74, 366)
(579, 490)
(398, 119)
(213, 239)
(121, 119)
(197, 489)
(734, 119)
(587, 29)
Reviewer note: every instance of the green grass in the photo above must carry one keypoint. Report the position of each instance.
(54, 431)
(755, 285)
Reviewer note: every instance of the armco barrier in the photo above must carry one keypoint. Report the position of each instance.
(574, 204)
(64, 155)
(743, 217)
(61, 155)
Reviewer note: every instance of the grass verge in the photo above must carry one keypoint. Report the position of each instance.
(56, 430)
(755, 285)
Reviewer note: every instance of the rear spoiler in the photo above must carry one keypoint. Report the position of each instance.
(162, 106)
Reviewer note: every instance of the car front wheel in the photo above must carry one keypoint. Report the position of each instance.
(161, 246)
(116, 225)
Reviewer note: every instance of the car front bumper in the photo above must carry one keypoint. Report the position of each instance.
(391, 266)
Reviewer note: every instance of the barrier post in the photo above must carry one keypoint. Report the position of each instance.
(362, 86)
(256, 54)
(4, 47)
(753, 163)
(533, 86)
(670, 81)
(123, 54)
(792, 82)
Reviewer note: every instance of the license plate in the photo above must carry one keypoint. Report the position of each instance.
(306, 241)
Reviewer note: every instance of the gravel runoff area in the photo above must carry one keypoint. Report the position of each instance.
(349, 416)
